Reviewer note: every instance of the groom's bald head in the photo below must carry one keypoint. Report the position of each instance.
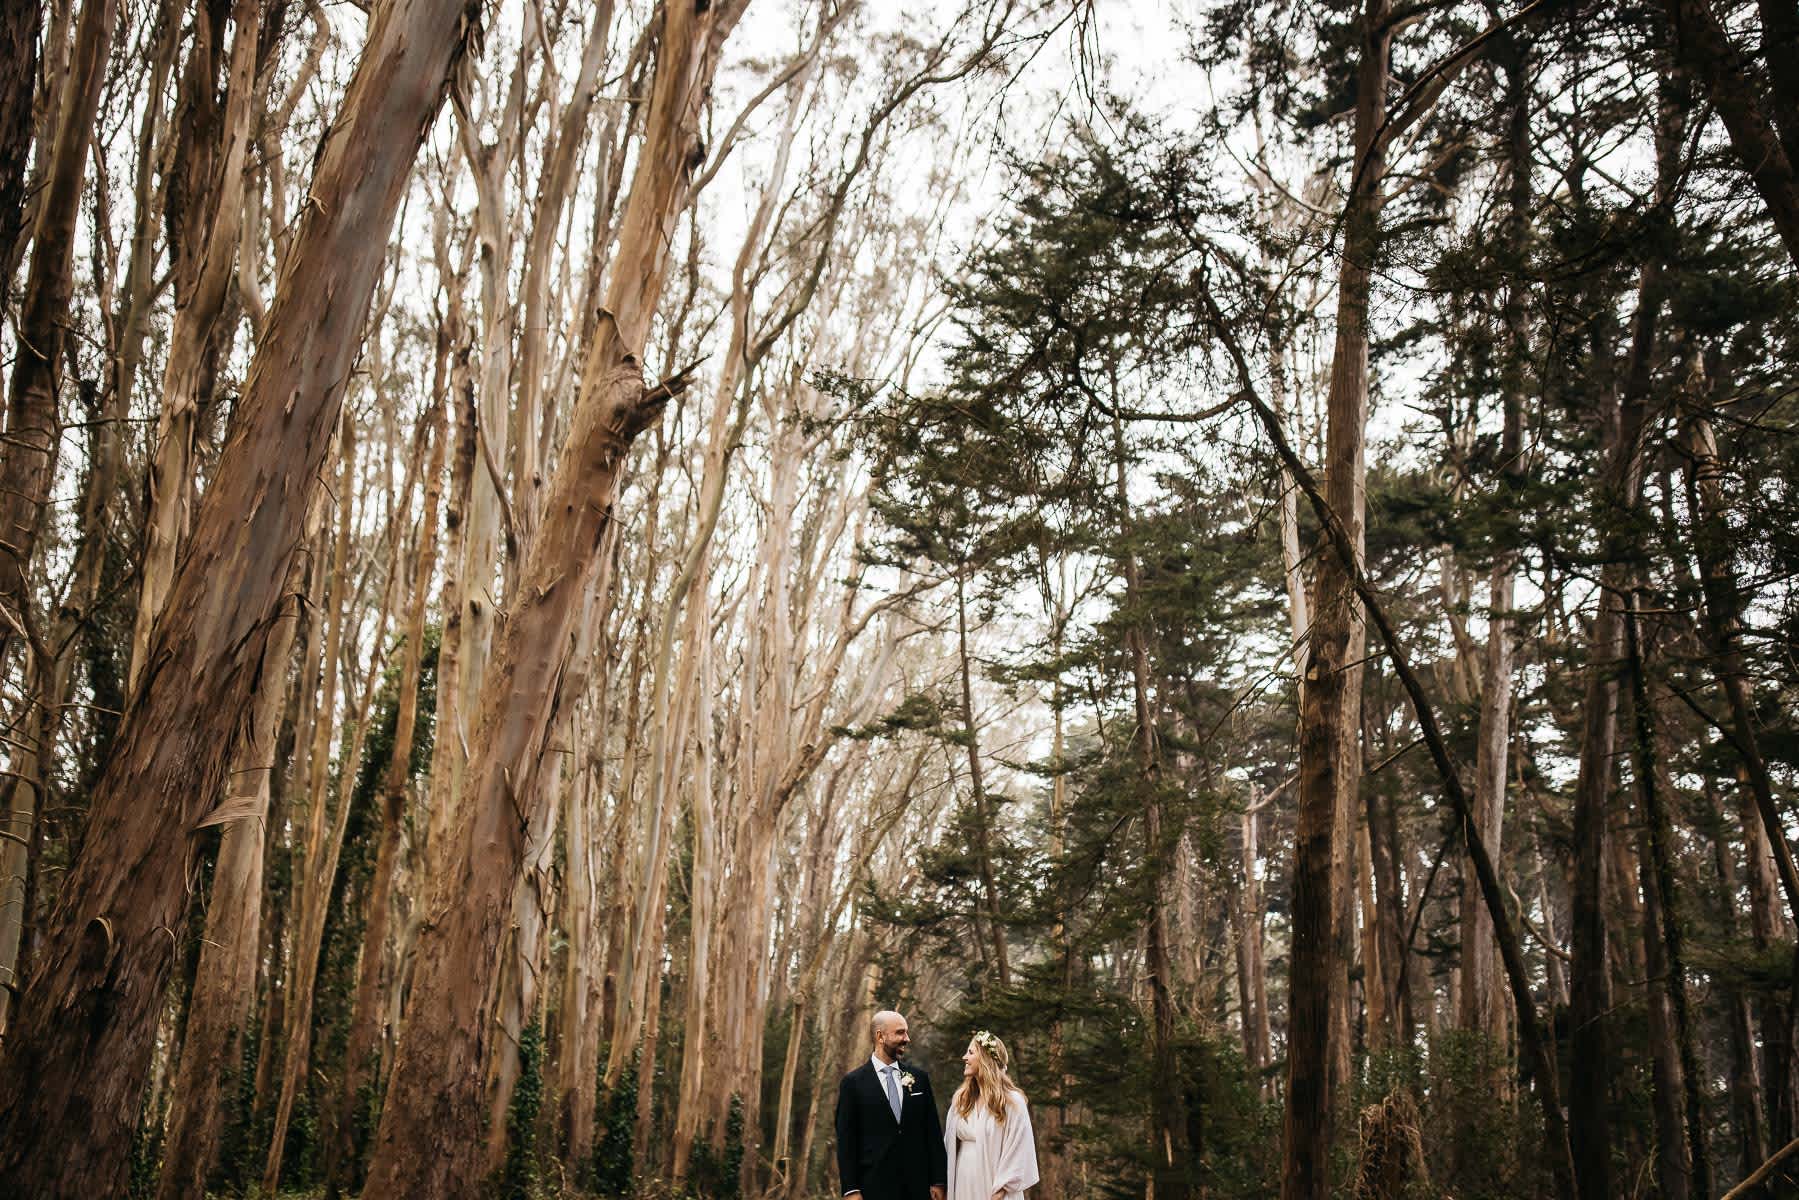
(890, 1034)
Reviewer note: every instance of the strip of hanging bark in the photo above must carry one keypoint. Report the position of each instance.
(77, 1060)
(1530, 1027)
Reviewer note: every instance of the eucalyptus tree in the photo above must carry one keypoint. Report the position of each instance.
(76, 1060)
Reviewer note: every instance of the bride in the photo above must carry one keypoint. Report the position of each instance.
(988, 1133)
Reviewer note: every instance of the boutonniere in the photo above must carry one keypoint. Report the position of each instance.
(908, 1082)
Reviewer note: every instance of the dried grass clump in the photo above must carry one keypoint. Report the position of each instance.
(1390, 1157)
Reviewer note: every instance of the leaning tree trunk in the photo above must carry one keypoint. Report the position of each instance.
(318, 865)
(29, 451)
(1531, 1032)
(79, 1055)
(205, 222)
(1330, 761)
(1762, 129)
(429, 1141)
(225, 982)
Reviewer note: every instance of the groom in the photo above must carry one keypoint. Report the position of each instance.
(889, 1137)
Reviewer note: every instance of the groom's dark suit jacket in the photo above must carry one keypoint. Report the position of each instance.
(879, 1157)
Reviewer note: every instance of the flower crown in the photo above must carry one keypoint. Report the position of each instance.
(987, 1042)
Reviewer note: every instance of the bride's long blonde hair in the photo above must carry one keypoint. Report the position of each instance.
(989, 1085)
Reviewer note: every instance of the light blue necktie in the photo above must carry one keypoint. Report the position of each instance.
(893, 1097)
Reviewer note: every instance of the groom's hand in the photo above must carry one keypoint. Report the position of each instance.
(937, 1193)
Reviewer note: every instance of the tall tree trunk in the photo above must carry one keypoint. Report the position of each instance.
(1330, 760)
(561, 158)
(1673, 1172)
(1594, 854)
(1680, 1078)
(578, 1060)
(1589, 1105)
(642, 930)
(1483, 993)
(705, 886)
(522, 951)
(446, 748)
(1054, 1115)
(1252, 993)
(428, 1142)
(1377, 997)
(317, 868)
(362, 1043)
(1299, 616)
(225, 983)
(577, 1063)
(54, 675)
(1747, 1115)
(1534, 1043)
(1172, 1174)
(33, 423)
(206, 218)
(79, 1054)
(648, 1066)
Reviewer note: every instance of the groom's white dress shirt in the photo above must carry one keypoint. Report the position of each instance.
(885, 1072)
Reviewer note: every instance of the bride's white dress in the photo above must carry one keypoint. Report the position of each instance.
(986, 1156)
